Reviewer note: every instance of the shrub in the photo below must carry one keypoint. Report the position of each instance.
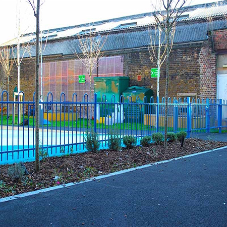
(92, 144)
(157, 137)
(43, 154)
(129, 141)
(17, 171)
(171, 136)
(114, 142)
(145, 141)
(181, 136)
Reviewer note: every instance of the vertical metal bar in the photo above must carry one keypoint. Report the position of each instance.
(52, 116)
(140, 113)
(65, 105)
(18, 113)
(220, 116)
(69, 113)
(121, 110)
(95, 112)
(76, 121)
(188, 117)
(1, 125)
(56, 125)
(157, 114)
(33, 123)
(7, 127)
(23, 122)
(207, 115)
(80, 123)
(28, 132)
(175, 116)
(13, 129)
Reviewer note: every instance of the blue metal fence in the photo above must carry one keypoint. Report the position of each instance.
(64, 124)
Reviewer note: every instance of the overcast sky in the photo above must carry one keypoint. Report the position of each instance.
(58, 13)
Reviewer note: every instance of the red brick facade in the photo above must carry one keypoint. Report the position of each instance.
(220, 40)
(208, 77)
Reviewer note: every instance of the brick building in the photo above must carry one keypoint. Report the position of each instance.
(198, 61)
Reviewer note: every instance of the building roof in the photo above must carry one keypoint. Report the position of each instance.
(131, 31)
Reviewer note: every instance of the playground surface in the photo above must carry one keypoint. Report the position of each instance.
(20, 142)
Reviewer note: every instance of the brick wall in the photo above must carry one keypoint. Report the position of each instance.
(184, 71)
(192, 70)
(220, 40)
(27, 79)
(208, 77)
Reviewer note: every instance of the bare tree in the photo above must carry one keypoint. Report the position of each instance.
(7, 60)
(166, 14)
(158, 48)
(36, 9)
(89, 51)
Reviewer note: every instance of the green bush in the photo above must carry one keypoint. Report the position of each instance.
(17, 171)
(171, 137)
(114, 142)
(181, 136)
(129, 141)
(145, 141)
(92, 143)
(43, 154)
(157, 137)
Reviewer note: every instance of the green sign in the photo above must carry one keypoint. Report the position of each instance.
(155, 73)
(81, 79)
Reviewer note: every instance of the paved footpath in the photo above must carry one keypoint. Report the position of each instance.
(211, 136)
(187, 192)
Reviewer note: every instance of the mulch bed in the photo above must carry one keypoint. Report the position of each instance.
(74, 168)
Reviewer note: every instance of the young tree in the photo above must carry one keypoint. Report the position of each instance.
(89, 50)
(166, 14)
(157, 48)
(36, 8)
(7, 60)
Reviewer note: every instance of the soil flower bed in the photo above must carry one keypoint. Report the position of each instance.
(78, 167)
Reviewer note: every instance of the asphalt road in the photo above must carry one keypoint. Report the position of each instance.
(186, 192)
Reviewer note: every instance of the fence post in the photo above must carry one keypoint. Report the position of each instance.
(175, 116)
(157, 114)
(207, 115)
(95, 112)
(220, 115)
(189, 115)
(41, 110)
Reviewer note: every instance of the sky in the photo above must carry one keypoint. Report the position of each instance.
(59, 13)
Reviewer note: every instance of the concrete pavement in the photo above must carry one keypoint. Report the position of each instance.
(211, 136)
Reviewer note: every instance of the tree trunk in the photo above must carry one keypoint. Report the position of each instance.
(37, 92)
(8, 85)
(167, 74)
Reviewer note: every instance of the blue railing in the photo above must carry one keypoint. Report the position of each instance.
(64, 124)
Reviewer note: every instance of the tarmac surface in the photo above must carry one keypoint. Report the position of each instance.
(211, 136)
(190, 191)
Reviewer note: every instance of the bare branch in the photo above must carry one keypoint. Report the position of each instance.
(32, 3)
(6, 60)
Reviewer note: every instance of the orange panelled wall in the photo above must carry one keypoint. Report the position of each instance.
(63, 76)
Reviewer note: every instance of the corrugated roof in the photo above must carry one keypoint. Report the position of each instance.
(135, 39)
(122, 38)
(208, 12)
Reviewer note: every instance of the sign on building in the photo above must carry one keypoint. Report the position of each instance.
(81, 79)
(155, 73)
